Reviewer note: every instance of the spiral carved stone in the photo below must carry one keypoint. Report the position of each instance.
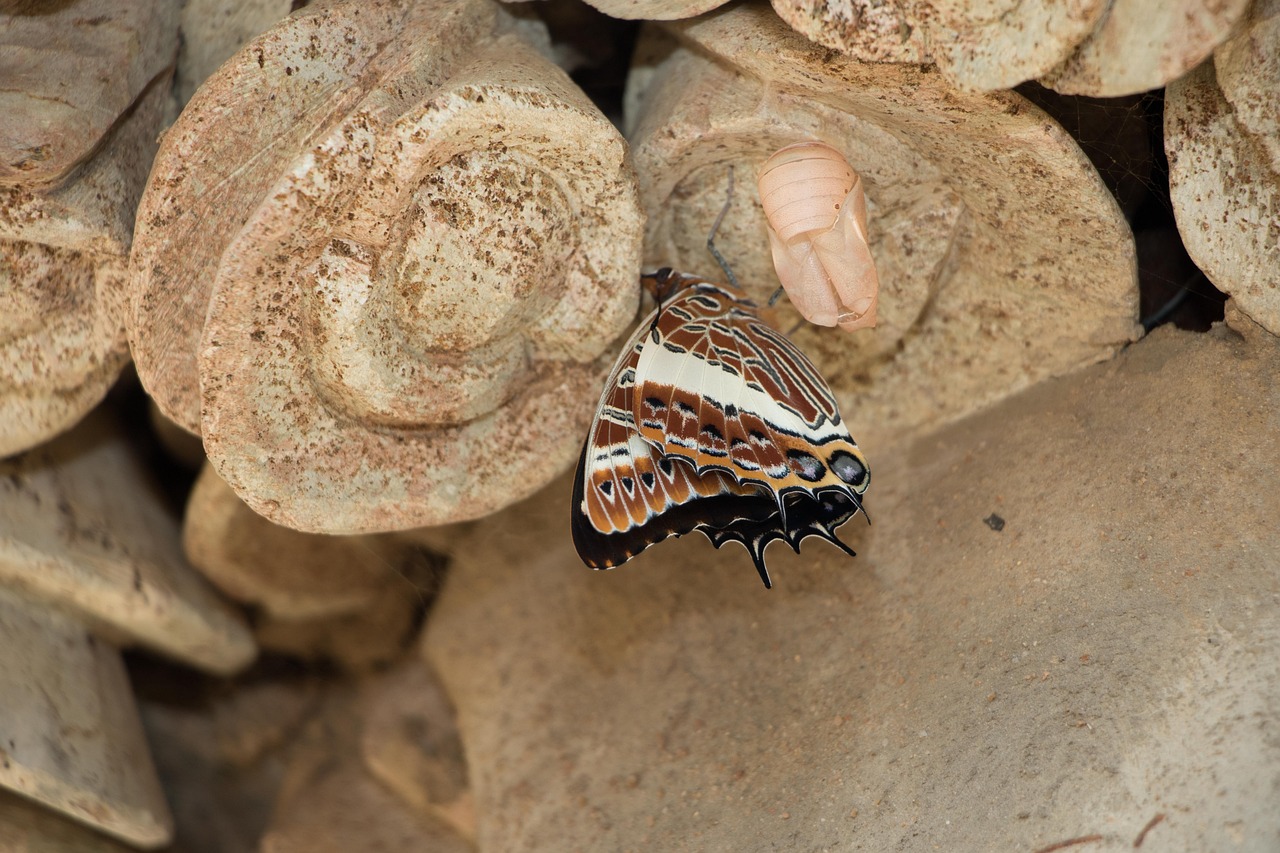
(397, 315)
(1002, 258)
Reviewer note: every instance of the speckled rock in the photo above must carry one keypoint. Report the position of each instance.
(982, 44)
(1062, 623)
(85, 95)
(1222, 134)
(1144, 44)
(353, 310)
(352, 600)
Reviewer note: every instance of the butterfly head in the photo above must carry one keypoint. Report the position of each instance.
(662, 284)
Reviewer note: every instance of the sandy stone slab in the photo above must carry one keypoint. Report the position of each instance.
(353, 600)
(69, 732)
(1062, 623)
(409, 741)
(655, 10)
(83, 529)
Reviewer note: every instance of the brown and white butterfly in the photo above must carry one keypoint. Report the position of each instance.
(712, 421)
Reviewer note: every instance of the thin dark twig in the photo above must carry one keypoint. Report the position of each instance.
(1070, 842)
(1142, 836)
(711, 246)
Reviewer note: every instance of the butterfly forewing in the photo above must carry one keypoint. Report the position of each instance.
(716, 386)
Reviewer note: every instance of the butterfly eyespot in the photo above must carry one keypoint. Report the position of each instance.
(848, 468)
(655, 403)
(607, 488)
(666, 467)
(648, 479)
(806, 465)
(628, 484)
(713, 431)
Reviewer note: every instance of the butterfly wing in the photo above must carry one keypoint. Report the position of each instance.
(628, 495)
(716, 386)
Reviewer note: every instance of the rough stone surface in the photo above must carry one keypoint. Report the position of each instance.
(353, 309)
(409, 741)
(982, 44)
(70, 70)
(1108, 655)
(1144, 44)
(353, 600)
(997, 245)
(222, 749)
(1222, 136)
(85, 94)
(83, 530)
(27, 827)
(63, 300)
(212, 32)
(330, 804)
(655, 10)
(69, 732)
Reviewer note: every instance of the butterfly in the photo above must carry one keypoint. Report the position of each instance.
(712, 421)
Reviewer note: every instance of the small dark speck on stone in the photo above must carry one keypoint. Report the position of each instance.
(995, 522)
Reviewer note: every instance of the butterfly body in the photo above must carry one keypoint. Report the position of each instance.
(712, 421)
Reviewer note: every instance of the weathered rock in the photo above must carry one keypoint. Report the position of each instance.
(1144, 44)
(85, 95)
(1222, 135)
(222, 749)
(353, 600)
(997, 245)
(69, 732)
(329, 802)
(409, 741)
(26, 826)
(655, 10)
(84, 531)
(377, 237)
(71, 70)
(89, 561)
(983, 44)
(212, 32)
(1063, 622)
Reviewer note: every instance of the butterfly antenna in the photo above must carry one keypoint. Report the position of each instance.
(711, 238)
(777, 294)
